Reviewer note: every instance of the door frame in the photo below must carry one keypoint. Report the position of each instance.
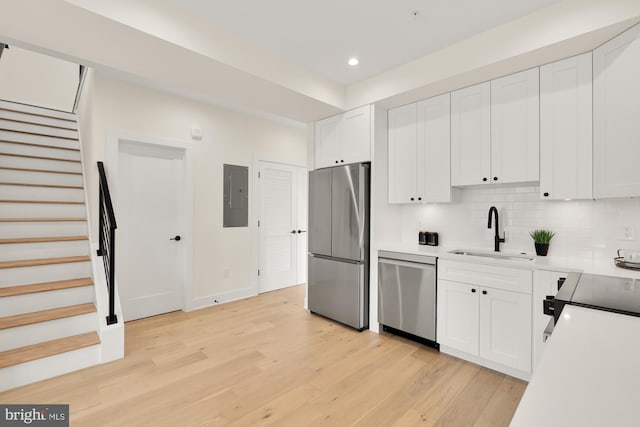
(255, 214)
(114, 138)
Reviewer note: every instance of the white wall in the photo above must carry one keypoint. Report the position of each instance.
(31, 78)
(589, 229)
(228, 137)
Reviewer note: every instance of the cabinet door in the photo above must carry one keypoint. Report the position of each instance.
(458, 316)
(505, 328)
(471, 135)
(565, 129)
(328, 141)
(355, 143)
(616, 116)
(402, 154)
(515, 127)
(434, 149)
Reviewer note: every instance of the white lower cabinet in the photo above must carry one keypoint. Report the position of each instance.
(486, 324)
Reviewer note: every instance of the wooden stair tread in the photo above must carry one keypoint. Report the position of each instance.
(68, 138)
(28, 184)
(45, 315)
(48, 348)
(46, 202)
(29, 156)
(42, 219)
(33, 288)
(24, 122)
(40, 170)
(42, 111)
(39, 145)
(43, 261)
(43, 239)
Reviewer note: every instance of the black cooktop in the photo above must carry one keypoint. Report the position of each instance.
(616, 294)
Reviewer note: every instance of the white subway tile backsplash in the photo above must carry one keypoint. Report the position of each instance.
(584, 228)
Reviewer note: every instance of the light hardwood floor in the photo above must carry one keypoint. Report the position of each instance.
(267, 361)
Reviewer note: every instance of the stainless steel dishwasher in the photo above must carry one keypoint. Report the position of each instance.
(407, 295)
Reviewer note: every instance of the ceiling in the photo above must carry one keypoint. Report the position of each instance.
(383, 34)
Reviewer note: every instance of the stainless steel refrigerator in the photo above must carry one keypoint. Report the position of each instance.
(338, 266)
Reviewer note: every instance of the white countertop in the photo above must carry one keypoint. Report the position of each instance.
(589, 374)
(551, 263)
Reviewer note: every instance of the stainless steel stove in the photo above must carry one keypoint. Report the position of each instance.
(608, 293)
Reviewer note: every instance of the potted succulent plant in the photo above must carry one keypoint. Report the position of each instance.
(541, 239)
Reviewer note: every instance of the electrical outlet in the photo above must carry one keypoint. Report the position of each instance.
(629, 232)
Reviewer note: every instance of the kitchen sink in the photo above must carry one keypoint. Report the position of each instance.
(495, 255)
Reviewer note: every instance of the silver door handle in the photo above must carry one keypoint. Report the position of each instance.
(302, 231)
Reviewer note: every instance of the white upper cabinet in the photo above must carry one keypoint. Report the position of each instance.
(419, 152)
(343, 139)
(515, 127)
(471, 135)
(616, 116)
(403, 152)
(566, 129)
(434, 149)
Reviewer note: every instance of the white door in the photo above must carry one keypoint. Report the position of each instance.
(434, 149)
(471, 135)
(355, 142)
(458, 315)
(505, 328)
(402, 154)
(282, 234)
(616, 114)
(565, 129)
(327, 144)
(515, 127)
(150, 266)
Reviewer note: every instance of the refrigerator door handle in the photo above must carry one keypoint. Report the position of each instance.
(331, 258)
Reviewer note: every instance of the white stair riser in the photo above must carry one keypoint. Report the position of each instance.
(20, 251)
(34, 150)
(49, 367)
(39, 120)
(39, 177)
(29, 163)
(19, 192)
(31, 109)
(9, 230)
(46, 331)
(20, 304)
(44, 273)
(41, 210)
(6, 135)
(39, 129)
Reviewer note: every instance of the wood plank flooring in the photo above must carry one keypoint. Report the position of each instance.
(267, 361)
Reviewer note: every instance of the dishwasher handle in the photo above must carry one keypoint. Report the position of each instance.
(411, 264)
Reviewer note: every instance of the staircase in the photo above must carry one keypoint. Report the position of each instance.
(48, 321)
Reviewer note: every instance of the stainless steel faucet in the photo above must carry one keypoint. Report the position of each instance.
(497, 239)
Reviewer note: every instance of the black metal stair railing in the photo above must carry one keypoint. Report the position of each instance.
(107, 238)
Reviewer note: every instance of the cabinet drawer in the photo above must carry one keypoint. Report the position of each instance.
(509, 279)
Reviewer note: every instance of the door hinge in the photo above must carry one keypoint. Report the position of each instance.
(258, 223)
(258, 175)
(258, 272)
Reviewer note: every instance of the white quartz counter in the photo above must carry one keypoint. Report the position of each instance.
(589, 374)
(551, 263)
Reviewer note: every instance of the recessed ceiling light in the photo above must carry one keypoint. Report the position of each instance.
(353, 61)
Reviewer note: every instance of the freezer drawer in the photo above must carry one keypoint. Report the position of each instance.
(337, 291)
(407, 297)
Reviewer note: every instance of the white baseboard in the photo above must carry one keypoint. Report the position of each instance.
(215, 299)
(526, 376)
